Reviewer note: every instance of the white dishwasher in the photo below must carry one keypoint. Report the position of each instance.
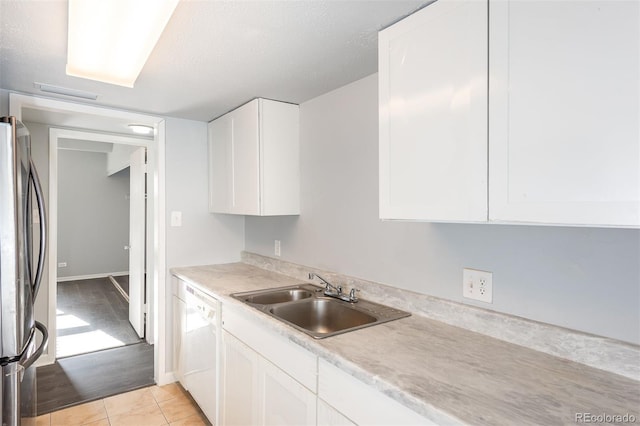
(201, 345)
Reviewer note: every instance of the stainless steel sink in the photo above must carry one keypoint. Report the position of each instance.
(279, 296)
(305, 308)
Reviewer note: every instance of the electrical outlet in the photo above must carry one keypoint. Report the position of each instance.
(276, 248)
(62, 265)
(477, 285)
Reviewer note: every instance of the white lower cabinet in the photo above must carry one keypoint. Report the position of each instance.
(266, 380)
(358, 402)
(329, 416)
(282, 400)
(239, 382)
(240, 373)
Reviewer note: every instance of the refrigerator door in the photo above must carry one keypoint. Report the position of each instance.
(16, 283)
(18, 392)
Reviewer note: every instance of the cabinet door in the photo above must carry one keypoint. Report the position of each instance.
(433, 114)
(239, 383)
(329, 416)
(220, 134)
(283, 401)
(280, 158)
(564, 112)
(245, 154)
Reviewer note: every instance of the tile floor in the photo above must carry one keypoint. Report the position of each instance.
(155, 405)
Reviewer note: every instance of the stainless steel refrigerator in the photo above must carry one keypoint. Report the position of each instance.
(20, 273)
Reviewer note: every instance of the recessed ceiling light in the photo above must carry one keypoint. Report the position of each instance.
(50, 88)
(141, 129)
(110, 41)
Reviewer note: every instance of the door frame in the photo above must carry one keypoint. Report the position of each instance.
(156, 227)
(55, 134)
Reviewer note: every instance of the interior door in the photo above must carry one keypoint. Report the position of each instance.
(137, 205)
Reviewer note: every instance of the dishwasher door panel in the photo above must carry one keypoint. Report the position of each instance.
(202, 342)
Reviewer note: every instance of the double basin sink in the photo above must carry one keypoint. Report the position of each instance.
(306, 308)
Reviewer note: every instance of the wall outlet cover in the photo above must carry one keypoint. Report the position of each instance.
(477, 285)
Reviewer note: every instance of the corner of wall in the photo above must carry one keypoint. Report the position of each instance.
(4, 102)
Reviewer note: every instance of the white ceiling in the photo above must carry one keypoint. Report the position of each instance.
(214, 55)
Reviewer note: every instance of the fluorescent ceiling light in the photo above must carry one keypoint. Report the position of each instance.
(50, 88)
(141, 129)
(111, 40)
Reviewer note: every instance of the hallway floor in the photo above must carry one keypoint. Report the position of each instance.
(91, 315)
(166, 405)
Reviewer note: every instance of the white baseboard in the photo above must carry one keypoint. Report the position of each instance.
(89, 277)
(165, 379)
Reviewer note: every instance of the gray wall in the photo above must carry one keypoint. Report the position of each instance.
(93, 215)
(4, 102)
(203, 238)
(581, 278)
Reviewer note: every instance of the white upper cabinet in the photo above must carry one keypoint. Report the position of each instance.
(563, 113)
(433, 114)
(254, 160)
(564, 117)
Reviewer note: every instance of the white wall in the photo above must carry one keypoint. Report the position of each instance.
(203, 238)
(119, 158)
(93, 215)
(581, 278)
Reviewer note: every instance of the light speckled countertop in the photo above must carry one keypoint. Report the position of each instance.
(446, 373)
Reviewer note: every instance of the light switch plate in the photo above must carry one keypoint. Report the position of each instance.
(176, 219)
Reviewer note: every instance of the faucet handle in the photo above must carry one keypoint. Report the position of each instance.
(352, 294)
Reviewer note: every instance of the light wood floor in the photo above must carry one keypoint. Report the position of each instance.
(154, 405)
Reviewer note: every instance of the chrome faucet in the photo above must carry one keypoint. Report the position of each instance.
(332, 291)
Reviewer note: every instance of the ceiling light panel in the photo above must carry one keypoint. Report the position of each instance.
(110, 41)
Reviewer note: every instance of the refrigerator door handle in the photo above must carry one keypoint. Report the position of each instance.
(43, 346)
(33, 177)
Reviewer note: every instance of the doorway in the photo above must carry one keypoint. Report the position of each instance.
(100, 211)
(83, 116)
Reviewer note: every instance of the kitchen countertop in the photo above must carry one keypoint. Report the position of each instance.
(446, 373)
